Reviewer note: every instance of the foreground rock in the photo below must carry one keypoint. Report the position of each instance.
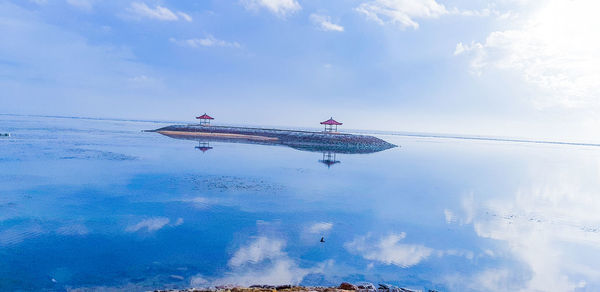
(343, 287)
(347, 286)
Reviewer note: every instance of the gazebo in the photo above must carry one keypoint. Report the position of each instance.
(203, 146)
(329, 125)
(329, 159)
(205, 119)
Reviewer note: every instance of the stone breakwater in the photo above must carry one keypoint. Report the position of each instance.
(344, 287)
(301, 140)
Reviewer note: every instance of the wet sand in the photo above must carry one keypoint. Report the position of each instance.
(217, 135)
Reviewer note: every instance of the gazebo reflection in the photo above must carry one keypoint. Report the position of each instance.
(203, 146)
(329, 159)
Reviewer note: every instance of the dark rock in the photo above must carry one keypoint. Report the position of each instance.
(347, 286)
(366, 286)
(281, 287)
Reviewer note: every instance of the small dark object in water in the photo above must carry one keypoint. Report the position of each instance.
(322, 239)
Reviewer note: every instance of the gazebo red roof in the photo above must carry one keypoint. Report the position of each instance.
(203, 148)
(331, 121)
(204, 117)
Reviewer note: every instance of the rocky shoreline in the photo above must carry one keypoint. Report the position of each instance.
(343, 287)
(301, 140)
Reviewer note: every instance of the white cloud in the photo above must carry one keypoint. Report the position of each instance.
(18, 234)
(262, 261)
(159, 12)
(320, 227)
(388, 250)
(279, 272)
(198, 281)
(324, 23)
(401, 12)
(111, 66)
(557, 50)
(485, 12)
(280, 8)
(150, 225)
(86, 5)
(209, 41)
(549, 224)
(459, 253)
(450, 217)
(405, 13)
(140, 78)
(262, 248)
(492, 279)
(178, 222)
(74, 229)
(199, 202)
(185, 16)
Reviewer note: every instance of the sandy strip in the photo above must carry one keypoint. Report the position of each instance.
(218, 135)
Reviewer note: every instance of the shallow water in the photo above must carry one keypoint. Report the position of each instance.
(100, 204)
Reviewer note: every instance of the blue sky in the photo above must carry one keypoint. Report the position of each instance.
(504, 67)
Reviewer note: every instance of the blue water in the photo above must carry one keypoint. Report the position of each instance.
(99, 204)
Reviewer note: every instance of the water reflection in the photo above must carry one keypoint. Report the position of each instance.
(329, 159)
(438, 214)
(346, 148)
(203, 146)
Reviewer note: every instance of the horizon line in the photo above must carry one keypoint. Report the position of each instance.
(376, 132)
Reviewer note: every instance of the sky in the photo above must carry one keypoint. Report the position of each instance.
(513, 68)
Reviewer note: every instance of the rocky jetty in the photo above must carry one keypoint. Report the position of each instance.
(301, 140)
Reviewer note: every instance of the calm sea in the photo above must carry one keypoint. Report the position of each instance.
(99, 204)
